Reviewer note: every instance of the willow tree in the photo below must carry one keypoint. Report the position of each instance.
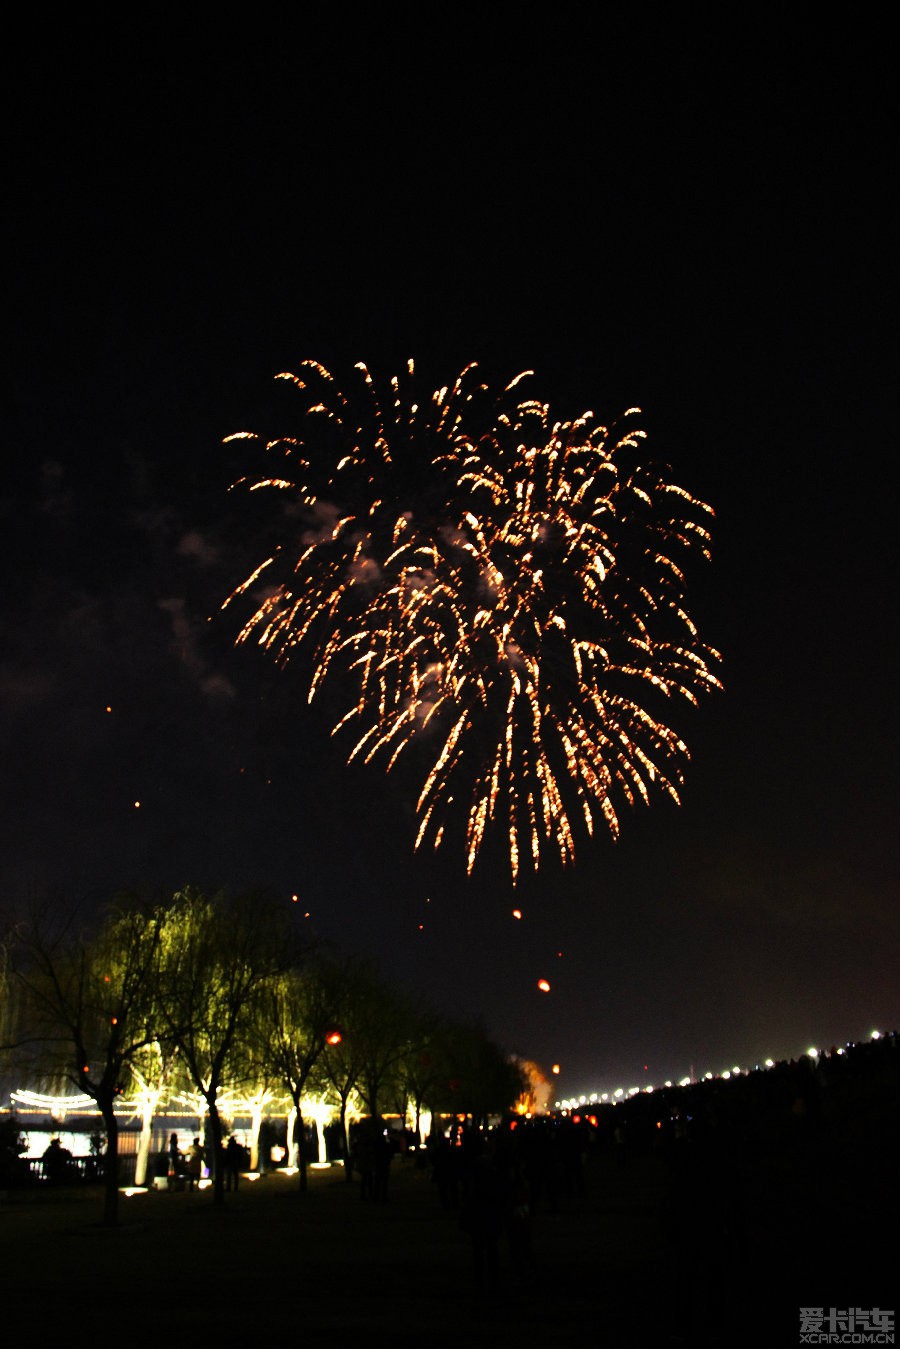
(382, 1028)
(218, 957)
(300, 1012)
(88, 1008)
(151, 1073)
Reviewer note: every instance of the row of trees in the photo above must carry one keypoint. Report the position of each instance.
(208, 997)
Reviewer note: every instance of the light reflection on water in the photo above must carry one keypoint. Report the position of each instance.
(38, 1140)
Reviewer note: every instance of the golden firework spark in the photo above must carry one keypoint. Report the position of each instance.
(500, 590)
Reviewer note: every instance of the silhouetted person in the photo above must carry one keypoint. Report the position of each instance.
(195, 1164)
(174, 1156)
(518, 1222)
(234, 1156)
(56, 1161)
(365, 1155)
(383, 1153)
(445, 1173)
(482, 1219)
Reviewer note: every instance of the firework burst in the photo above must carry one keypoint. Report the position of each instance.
(499, 590)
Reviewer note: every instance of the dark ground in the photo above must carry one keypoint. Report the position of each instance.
(724, 1251)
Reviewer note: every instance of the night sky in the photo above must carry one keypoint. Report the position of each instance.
(699, 223)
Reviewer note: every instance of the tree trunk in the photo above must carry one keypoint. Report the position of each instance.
(111, 1165)
(143, 1156)
(300, 1128)
(217, 1157)
(345, 1139)
(256, 1118)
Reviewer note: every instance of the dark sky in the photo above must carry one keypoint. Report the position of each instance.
(696, 222)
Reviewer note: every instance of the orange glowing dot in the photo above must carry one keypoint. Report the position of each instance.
(295, 898)
(421, 927)
(333, 1037)
(115, 1021)
(517, 913)
(109, 709)
(555, 1069)
(86, 1068)
(543, 986)
(137, 805)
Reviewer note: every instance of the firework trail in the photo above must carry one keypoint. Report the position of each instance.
(501, 590)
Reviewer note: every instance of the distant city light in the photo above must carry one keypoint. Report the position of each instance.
(620, 1094)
